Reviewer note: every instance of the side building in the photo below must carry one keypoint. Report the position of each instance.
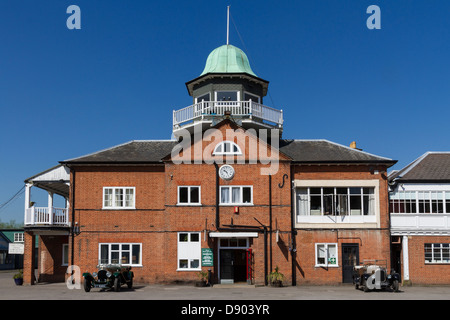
(420, 219)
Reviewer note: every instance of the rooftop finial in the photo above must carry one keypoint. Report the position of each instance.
(228, 24)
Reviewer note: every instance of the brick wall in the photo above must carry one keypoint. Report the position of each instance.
(419, 271)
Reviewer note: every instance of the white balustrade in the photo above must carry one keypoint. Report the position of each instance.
(236, 108)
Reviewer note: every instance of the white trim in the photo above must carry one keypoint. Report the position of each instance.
(193, 248)
(231, 196)
(189, 203)
(327, 257)
(233, 234)
(114, 207)
(254, 95)
(225, 153)
(109, 244)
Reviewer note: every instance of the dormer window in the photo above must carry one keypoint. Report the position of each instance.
(227, 148)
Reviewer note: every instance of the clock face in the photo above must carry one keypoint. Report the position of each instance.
(226, 172)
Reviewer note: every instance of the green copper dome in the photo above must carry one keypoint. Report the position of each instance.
(227, 59)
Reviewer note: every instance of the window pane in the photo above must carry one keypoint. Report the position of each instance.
(342, 204)
(195, 263)
(194, 237)
(183, 194)
(115, 257)
(118, 197)
(225, 195)
(104, 254)
(125, 257)
(247, 195)
(236, 194)
(129, 197)
(136, 254)
(183, 264)
(227, 96)
(355, 205)
(195, 195)
(108, 198)
(355, 190)
(183, 237)
(332, 254)
(321, 254)
(316, 205)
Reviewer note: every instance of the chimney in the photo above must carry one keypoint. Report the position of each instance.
(353, 146)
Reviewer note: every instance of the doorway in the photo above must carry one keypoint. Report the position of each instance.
(233, 260)
(350, 258)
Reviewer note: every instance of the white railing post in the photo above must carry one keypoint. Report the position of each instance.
(50, 207)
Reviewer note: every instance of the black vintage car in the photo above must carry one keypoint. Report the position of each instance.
(109, 276)
(374, 277)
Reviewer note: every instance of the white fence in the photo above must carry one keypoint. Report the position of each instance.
(236, 108)
(41, 216)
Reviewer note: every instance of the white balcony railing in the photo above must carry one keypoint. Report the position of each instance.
(41, 216)
(236, 108)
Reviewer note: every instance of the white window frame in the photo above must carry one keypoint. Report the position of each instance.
(241, 193)
(253, 95)
(227, 153)
(130, 250)
(209, 97)
(326, 264)
(441, 253)
(189, 203)
(124, 190)
(238, 95)
(190, 251)
(65, 247)
(18, 237)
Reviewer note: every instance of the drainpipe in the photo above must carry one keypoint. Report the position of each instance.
(270, 218)
(217, 196)
(73, 217)
(293, 231)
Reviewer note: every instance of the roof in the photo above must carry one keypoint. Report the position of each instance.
(430, 167)
(301, 151)
(227, 59)
(136, 151)
(324, 151)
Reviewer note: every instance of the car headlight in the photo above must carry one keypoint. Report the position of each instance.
(108, 274)
(94, 274)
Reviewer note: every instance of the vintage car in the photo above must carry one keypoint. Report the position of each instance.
(374, 277)
(109, 276)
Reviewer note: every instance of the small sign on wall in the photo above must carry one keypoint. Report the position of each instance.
(16, 248)
(207, 257)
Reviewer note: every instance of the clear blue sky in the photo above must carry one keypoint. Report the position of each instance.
(66, 93)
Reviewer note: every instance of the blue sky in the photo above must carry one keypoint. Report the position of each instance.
(65, 93)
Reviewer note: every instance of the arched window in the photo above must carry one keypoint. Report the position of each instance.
(227, 148)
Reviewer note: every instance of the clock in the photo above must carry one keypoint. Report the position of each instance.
(226, 172)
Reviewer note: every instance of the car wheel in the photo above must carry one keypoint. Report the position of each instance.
(116, 284)
(87, 285)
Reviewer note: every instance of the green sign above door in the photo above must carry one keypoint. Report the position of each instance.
(207, 257)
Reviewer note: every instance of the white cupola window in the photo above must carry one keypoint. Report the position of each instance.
(227, 148)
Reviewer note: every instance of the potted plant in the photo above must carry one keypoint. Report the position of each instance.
(203, 276)
(18, 278)
(276, 278)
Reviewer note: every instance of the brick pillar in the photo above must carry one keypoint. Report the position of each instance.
(29, 258)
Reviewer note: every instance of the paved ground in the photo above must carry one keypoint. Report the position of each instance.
(59, 291)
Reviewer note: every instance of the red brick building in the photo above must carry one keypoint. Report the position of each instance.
(420, 223)
(228, 194)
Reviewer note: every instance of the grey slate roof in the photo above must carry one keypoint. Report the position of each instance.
(136, 151)
(324, 151)
(300, 151)
(431, 166)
